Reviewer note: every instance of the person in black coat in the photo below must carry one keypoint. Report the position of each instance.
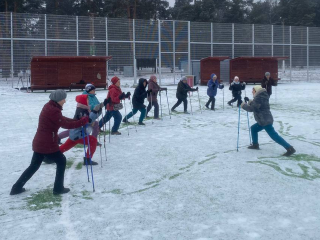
(268, 82)
(236, 87)
(139, 95)
(182, 94)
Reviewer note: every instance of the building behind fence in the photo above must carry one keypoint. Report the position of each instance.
(174, 45)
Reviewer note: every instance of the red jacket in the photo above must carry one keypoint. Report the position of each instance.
(50, 120)
(114, 93)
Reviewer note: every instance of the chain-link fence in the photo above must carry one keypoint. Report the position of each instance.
(144, 47)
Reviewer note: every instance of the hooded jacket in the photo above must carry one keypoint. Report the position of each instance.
(183, 89)
(267, 84)
(139, 95)
(260, 107)
(114, 93)
(213, 87)
(50, 120)
(93, 100)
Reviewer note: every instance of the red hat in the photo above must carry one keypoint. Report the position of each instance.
(83, 99)
(115, 79)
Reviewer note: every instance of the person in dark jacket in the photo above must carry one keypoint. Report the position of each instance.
(268, 82)
(261, 111)
(152, 98)
(182, 94)
(213, 85)
(45, 142)
(116, 95)
(236, 87)
(139, 95)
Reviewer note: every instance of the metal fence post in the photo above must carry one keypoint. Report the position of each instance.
(189, 50)
(159, 42)
(45, 36)
(11, 26)
(134, 52)
(308, 54)
(107, 47)
(290, 54)
(272, 40)
(232, 40)
(77, 29)
(174, 50)
(252, 40)
(211, 31)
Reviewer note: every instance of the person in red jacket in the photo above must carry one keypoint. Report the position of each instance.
(116, 95)
(45, 142)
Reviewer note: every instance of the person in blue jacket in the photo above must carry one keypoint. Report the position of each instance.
(213, 85)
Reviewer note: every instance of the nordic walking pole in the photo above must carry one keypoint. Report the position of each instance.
(190, 104)
(125, 112)
(90, 163)
(199, 101)
(160, 105)
(223, 98)
(151, 106)
(85, 154)
(168, 104)
(238, 130)
(134, 121)
(99, 141)
(104, 136)
(109, 130)
(245, 94)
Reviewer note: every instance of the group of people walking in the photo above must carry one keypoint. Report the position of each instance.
(85, 127)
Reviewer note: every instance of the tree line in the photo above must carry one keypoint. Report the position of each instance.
(288, 12)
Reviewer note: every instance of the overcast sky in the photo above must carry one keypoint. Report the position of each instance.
(171, 2)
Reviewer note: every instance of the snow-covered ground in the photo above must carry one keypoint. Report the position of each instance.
(178, 178)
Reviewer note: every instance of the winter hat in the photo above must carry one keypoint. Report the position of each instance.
(115, 79)
(236, 77)
(267, 74)
(58, 95)
(83, 99)
(89, 87)
(153, 78)
(257, 87)
(183, 79)
(213, 75)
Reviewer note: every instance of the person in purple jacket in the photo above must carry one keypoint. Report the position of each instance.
(213, 85)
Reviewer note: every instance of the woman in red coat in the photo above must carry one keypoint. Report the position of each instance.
(45, 142)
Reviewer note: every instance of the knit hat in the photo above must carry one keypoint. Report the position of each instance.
(153, 78)
(267, 74)
(58, 95)
(213, 75)
(115, 79)
(257, 87)
(183, 79)
(89, 87)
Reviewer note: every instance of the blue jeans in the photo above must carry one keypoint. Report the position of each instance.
(117, 119)
(134, 111)
(255, 128)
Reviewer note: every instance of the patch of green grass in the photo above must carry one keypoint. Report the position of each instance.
(174, 176)
(144, 189)
(206, 160)
(86, 195)
(79, 146)
(70, 161)
(43, 199)
(79, 166)
(188, 166)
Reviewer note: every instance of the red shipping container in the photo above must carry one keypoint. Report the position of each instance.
(208, 66)
(61, 72)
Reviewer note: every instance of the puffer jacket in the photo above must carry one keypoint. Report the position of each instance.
(93, 100)
(139, 95)
(213, 87)
(260, 108)
(236, 88)
(155, 89)
(50, 120)
(183, 89)
(114, 93)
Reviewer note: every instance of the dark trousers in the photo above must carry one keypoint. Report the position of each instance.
(212, 100)
(35, 164)
(236, 98)
(156, 108)
(180, 100)
(255, 128)
(134, 111)
(106, 118)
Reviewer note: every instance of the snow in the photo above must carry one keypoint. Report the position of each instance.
(178, 178)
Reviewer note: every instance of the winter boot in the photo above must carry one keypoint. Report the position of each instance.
(141, 123)
(125, 120)
(289, 152)
(116, 133)
(207, 104)
(254, 146)
(99, 144)
(213, 104)
(15, 190)
(186, 112)
(88, 161)
(64, 190)
(229, 103)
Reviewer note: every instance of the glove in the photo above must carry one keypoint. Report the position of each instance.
(84, 120)
(244, 83)
(128, 95)
(195, 89)
(246, 99)
(106, 101)
(149, 91)
(221, 86)
(98, 107)
(122, 96)
(163, 89)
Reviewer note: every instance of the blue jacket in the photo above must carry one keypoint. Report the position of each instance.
(213, 87)
(93, 100)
